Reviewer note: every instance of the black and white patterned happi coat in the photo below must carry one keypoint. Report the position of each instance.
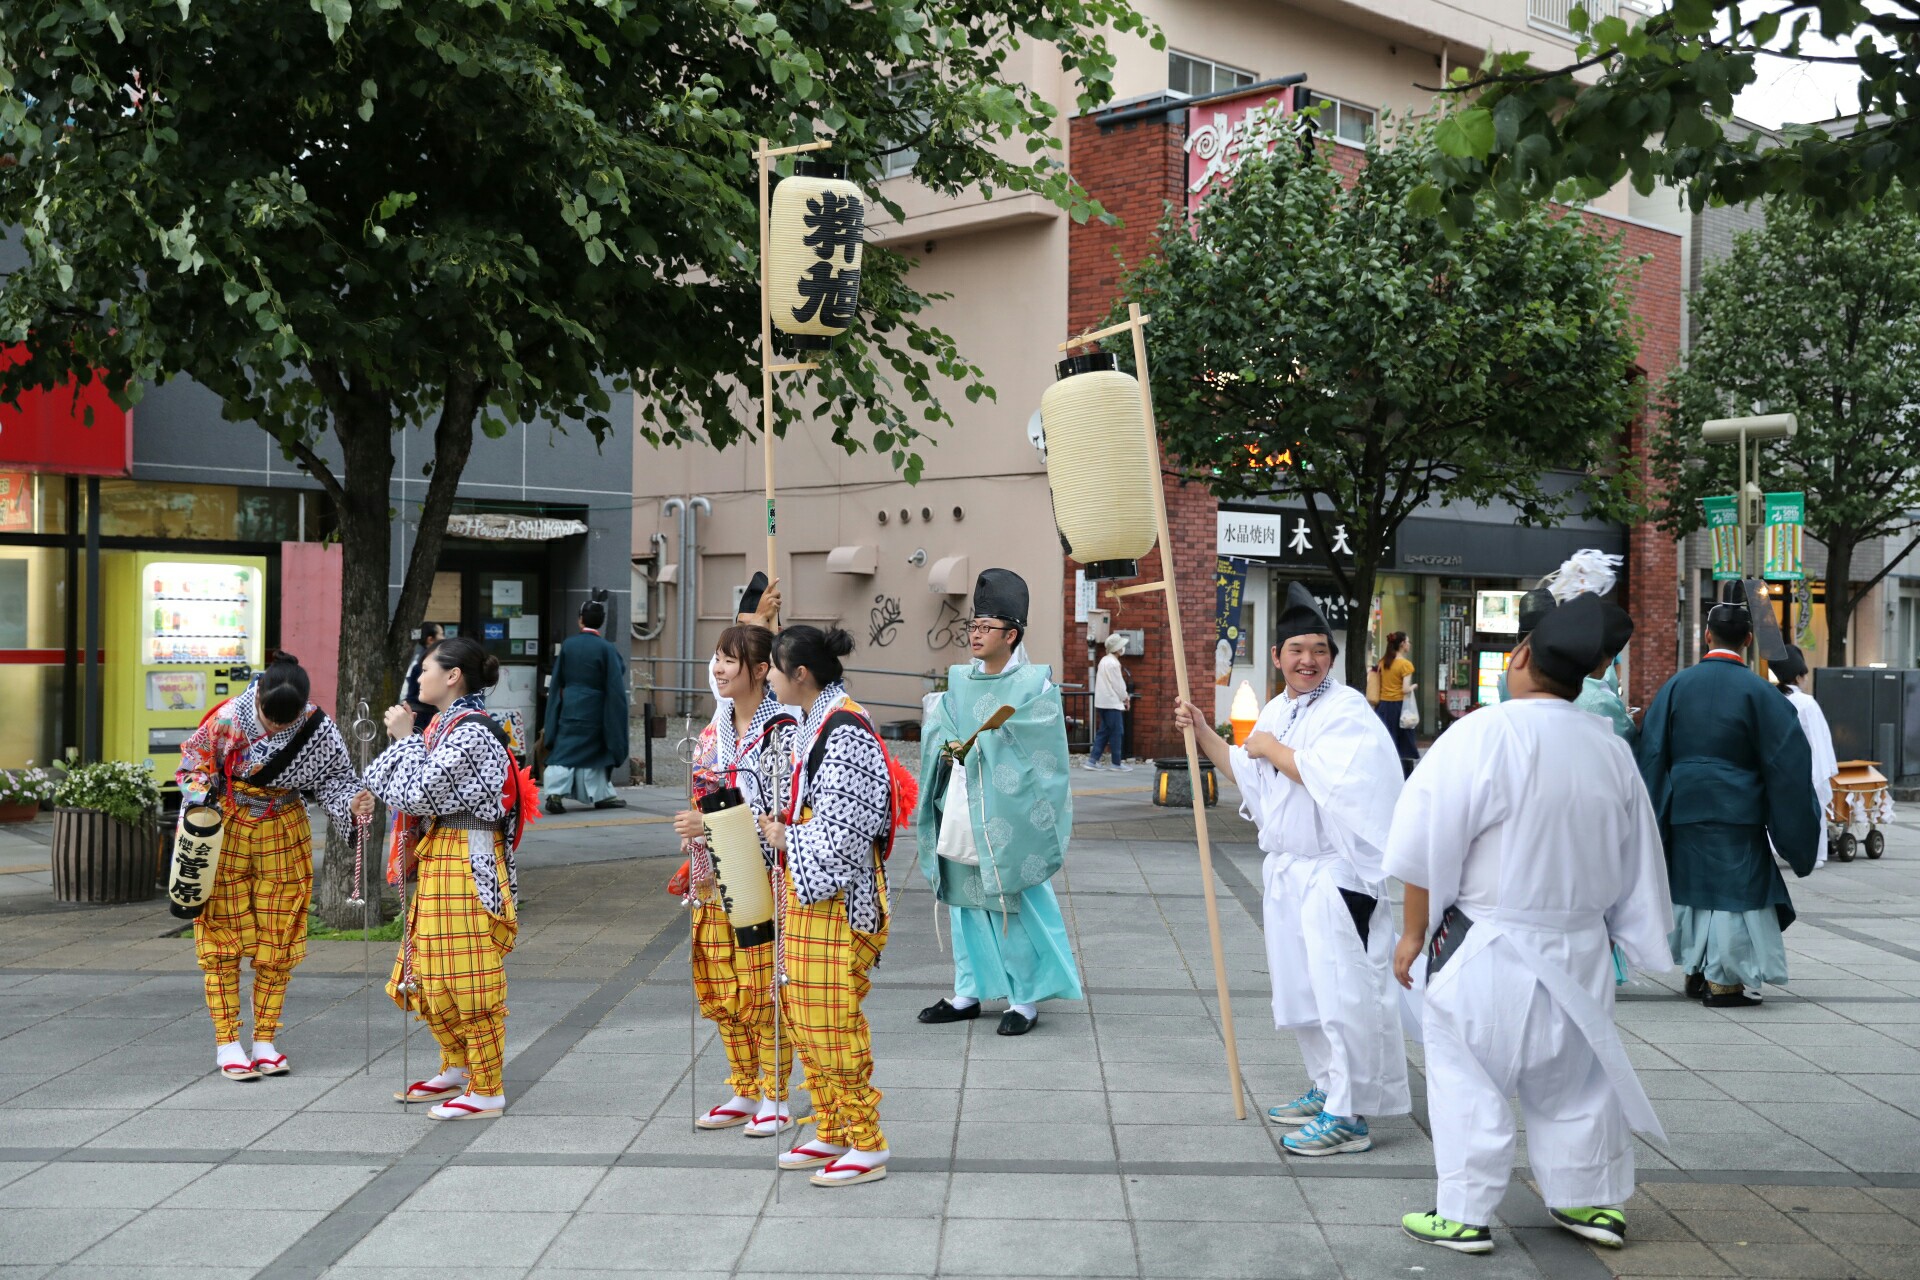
(322, 769)
(851, 799)
(456, 774)
(749, 764)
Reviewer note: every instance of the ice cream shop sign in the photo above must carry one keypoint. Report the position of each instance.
(1222, 135)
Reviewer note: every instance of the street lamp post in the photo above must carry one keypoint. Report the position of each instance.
(1759, 427)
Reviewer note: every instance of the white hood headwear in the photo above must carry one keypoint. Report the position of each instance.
(1585, 572)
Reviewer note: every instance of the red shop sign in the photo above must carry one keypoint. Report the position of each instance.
(49, 431)
(1221, 135)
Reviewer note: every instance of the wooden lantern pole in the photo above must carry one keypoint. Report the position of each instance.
(1137, 324)
(766, 155)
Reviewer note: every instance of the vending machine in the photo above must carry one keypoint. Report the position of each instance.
(1496, 628)
(183, 633)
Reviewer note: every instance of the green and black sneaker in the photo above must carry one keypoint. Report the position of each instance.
(1457, 1236)
(1603, 1226)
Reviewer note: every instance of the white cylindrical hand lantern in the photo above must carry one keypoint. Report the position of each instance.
(814, 251)
(1100, 465)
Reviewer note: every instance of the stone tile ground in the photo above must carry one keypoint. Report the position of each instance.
(1103, 1144)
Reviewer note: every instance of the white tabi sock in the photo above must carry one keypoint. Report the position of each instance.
(1027, 1011)
(964, 1002)
(451, 1078)
(231, 1055)
(767, 1108)
(738, 1103)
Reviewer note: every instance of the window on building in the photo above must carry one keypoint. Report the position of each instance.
(1339, 118)
(1197, 77)
(899, 163)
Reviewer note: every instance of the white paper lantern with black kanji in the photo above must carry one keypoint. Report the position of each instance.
(1100, 465)
(814, 251)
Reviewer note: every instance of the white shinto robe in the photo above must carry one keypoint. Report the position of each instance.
(1813, 723)
(1321, 837)
(1532, 819)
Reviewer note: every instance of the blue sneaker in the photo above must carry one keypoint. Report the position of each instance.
(1301, 1110)
(1329, 1135)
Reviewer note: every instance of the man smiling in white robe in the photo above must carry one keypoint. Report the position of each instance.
(1319, 776)
(1528, 847)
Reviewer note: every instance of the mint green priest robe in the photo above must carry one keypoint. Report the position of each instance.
(1009, 940)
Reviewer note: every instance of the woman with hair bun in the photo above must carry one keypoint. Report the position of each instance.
(833, 837)
(256, 756)
(740, 749)
(448, 784)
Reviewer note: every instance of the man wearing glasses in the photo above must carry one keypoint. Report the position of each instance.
(995, 816)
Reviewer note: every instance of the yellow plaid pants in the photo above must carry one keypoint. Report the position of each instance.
(735, 987)
(258, 909)
(458, 957)
(828, 967)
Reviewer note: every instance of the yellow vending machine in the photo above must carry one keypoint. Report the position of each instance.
(183, 633)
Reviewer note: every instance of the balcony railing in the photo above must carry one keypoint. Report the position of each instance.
(1551, 15)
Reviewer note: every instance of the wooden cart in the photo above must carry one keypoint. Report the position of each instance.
(1859, 796)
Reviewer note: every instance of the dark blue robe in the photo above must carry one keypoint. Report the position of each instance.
(587, 705)
(1726, 765)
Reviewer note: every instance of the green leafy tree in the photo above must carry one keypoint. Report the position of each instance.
(1822, 322)
(1657, 93)
(348, 217)
(1314, 339)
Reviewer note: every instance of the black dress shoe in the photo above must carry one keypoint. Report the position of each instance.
(1696, 986)
(1015, 1023)
(554, 806)
(941, 1011)
(611, 802)
(1730, 1000)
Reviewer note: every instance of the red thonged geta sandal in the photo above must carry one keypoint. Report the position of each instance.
(423, 1091)
(811, 1155)
(724, 1118)
(459, 1109)
(848, 1173)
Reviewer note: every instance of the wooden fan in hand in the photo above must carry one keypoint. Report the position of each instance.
(958, 750)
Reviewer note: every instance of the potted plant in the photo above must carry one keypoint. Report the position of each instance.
(104, 845)
(23, 791)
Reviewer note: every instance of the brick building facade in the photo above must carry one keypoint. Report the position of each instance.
(1135, 168)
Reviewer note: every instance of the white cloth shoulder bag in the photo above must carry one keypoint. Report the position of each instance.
(956, 824)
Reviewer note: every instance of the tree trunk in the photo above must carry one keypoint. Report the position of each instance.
(452, 445)
(364, 427)
(375, 641)
(1840, 599)
(1360, 616)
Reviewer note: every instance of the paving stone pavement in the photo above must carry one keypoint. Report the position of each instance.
(1102, 1144)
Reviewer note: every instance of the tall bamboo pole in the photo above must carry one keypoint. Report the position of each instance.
(768, 366)
(1168, 586)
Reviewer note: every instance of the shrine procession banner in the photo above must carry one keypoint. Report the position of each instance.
(1783, 540)
(1723, 524)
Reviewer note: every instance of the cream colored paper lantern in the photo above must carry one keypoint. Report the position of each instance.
(814, 250)
(196, 860)
(1100, 466)
(739, 868)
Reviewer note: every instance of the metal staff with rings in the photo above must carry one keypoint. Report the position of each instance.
(364, 731)
(687, 750)
(782, 765)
